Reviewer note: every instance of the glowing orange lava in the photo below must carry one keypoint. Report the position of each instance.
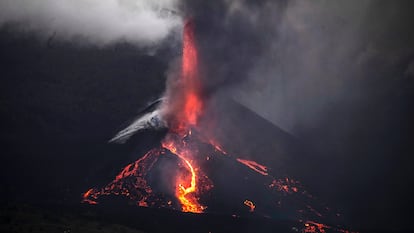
(86, 197)
(314, 227)
(186, 188)
(285, 185)
(131, 176)
(188, 204)
(217, 146)
(250, 204)
(255, 166)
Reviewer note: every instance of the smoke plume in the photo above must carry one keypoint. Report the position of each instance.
(142, 23)
(326, 54)
(290, 61)
(336, 74)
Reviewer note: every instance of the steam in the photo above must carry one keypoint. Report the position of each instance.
(151, 118)
(100, 22)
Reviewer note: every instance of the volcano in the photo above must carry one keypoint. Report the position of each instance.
(226, 184)
(205, 166)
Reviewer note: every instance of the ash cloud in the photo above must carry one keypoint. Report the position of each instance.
(231, 36)
(142, 23)
(329, 53)
(292, 60)
(336, 74)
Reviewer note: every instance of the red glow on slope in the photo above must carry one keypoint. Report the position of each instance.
(86, 197)
(217, 146)
(285, 185)
(314, 227)
(132, 176)
(255, 166)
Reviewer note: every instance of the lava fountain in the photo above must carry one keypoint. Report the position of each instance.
(182, 116)
(185, 117)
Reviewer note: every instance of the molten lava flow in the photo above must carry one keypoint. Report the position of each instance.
(189, 205)
(129, 182)
(255, 166)
(250, 204)
(86, 197)
(185, 188)
(217, 146)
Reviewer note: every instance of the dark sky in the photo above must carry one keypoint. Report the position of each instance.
(339, 77)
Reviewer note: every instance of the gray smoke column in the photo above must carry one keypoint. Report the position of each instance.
(290, 61)
(100, 22)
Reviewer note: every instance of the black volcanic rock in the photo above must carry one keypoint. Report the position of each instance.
(274, 194)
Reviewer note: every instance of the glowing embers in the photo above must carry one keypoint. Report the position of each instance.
(250, 204)
(285, 185)
(315, 227)
(88, 195)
